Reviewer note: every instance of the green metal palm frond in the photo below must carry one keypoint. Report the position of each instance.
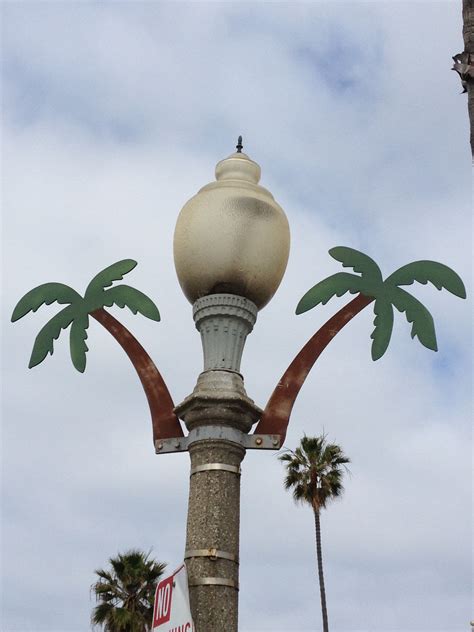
(423, 327)
(383, 323)
(44, 341)
(77, 313)
(335, 285)
(368, 282)
(77, 344)
(440, 275)
(136, 301)
(387, 294)
(433, 272)
(358, 261)
(45, 295)
(417, 314)
(106, 277)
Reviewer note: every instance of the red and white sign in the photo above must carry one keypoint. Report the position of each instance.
(172, 612)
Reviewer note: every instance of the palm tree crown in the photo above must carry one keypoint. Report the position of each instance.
(387, 294)
(126, 592)
(78, 309)
(314, 471)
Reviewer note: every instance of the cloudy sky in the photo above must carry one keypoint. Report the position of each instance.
(114, 114)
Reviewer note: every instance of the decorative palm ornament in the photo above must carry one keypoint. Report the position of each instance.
(369, 285)
(76, 315)
(79, 308)
(386, 294)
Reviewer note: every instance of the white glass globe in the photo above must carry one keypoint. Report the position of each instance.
(232, 237)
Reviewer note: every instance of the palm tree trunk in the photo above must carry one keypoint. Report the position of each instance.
(164, 420)
(319, 554)
(468, 36)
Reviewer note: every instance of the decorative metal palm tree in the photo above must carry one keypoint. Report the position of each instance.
(314, 471)
(371, 288)
(76, 315)
(125, 592)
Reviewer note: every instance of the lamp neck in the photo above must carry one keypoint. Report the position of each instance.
(224, 322)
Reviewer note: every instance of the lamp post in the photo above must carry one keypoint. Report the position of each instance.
(231, 248)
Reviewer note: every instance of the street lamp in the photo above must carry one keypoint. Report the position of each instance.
(231, 248)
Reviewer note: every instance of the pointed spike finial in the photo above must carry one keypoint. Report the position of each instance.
(239, 145)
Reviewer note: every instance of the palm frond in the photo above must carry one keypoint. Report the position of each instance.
(126, 620)
(312, 447)
(107, 276)
(126, 592)
(417, 314)
(104, 574)
(77, 345)
(101, 613)
(358, 261)
(105, 591)
(136, 301)
(44, 341)
(44, 294)
(383, 327)
(334, 285)
(333, 456)
(441, 276)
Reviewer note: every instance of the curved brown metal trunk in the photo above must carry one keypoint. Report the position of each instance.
(277, 412)
(319, 555)
(165, 422)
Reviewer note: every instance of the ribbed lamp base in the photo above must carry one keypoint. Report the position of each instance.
(224, 322)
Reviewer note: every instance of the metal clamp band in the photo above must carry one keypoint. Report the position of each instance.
(214, 581)
(212, 554)
(252, 441)
(216, 466)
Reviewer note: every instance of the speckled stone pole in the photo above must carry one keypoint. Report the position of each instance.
(218, 406)
(213, 522)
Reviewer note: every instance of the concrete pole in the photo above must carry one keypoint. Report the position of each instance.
(218, 412)
(213, 523)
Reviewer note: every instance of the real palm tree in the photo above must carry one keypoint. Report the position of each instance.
(126, 592)
(314, 471)
(468, 36)
(464, 62)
